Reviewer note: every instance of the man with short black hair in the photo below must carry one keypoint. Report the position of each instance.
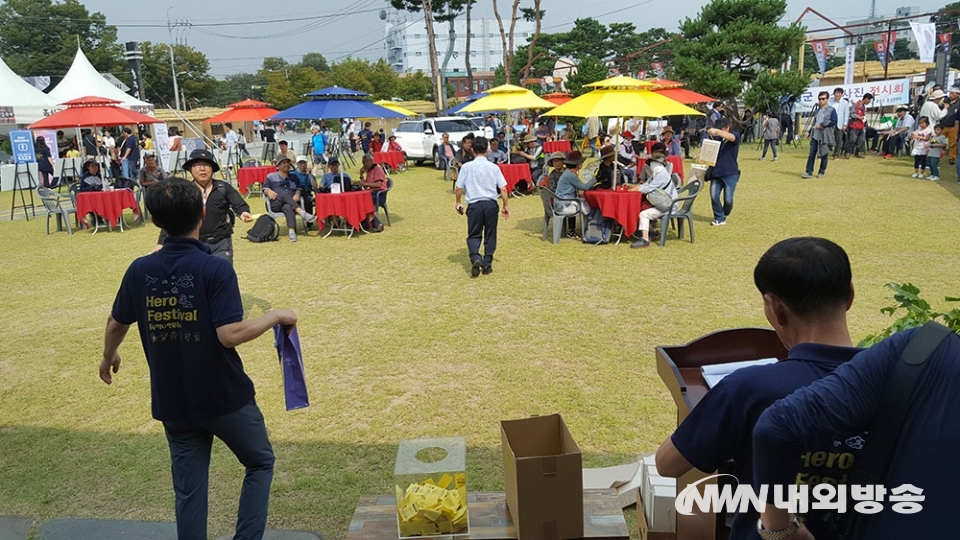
(284, 150)
(366, 137)
(130, 154)
(822, 135)
(221, 203)
(951, 122)
(841, 104)
(198, 387)
(892, 139)
(477, 185)
(806, 286)
(726, 171)
(151, 173)
(856, 126)
(283, 190)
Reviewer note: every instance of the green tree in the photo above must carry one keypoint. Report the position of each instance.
(234, 88)
(414, 87)
(730, 42)
(40, 37)
(286, 86)
(315, 61)
(767, 90)
(589, 70)
(949, 17)
(193, 77)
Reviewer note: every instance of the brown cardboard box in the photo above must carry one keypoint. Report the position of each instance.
(543, 478)
(645, 532)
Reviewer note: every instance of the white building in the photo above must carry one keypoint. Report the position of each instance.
(879, 25)
(407, 48)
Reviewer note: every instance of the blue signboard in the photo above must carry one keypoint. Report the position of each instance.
(21, 141)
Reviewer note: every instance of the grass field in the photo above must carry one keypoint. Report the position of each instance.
(400, 343)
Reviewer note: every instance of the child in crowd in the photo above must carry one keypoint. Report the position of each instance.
(938, 144)
(921, 145)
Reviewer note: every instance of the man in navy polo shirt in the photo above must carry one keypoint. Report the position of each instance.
(807, 289)
(187, 307)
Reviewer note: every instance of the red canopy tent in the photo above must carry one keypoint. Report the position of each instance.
(664, 83)
(557, 97)
(247, 110)
(687, 97)
(92, 111)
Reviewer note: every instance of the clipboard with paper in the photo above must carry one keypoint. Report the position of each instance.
(291, 363)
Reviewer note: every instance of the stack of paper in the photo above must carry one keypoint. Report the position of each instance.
(713, 374)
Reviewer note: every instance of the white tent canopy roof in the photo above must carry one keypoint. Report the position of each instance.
(84, 80)
(20, 102)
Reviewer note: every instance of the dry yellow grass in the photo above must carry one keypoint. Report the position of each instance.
(401, 343)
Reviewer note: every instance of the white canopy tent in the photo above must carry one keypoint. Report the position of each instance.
(84, 80)
(20, 102)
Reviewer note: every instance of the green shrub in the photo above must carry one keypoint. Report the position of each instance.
(918, 313)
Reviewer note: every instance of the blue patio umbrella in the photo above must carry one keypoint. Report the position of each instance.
(335, 102)
(470, 99)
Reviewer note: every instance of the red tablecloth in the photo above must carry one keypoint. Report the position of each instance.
(353, 206)
(648, 146)
(556, 146)
(622, 206)
(252, 175)
(513, 173)
(392, 159)
(106, 204)
(677, 162)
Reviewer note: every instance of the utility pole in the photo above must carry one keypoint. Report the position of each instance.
(173, 66)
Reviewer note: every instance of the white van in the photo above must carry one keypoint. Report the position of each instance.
(420, 139)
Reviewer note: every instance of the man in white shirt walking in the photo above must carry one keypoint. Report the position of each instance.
(477, 185)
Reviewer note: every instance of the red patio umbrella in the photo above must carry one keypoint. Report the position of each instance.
(557, 97)
(247, 110)
(687, 97)
(92, 111)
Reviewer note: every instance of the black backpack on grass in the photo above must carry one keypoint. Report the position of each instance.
(264, 230)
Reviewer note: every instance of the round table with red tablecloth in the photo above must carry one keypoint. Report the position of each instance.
(392, 159)
(352, 206)
(107, 204)
(676, 161)
(556, 146)
(247, 176)
(513, 173)
(624, 207)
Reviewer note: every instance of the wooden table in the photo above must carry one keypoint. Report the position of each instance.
(376, 517)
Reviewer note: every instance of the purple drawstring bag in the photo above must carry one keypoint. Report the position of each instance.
(291, 361)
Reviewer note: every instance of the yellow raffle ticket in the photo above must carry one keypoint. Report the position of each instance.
(433, 506)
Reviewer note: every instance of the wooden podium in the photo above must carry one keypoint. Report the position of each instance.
(679, 368)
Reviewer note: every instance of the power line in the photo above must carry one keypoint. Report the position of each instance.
(338, 14)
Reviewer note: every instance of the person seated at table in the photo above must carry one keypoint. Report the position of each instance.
(660, 178)
(394, 146)
(502, 142)
(376, 145)
(284, 150)
(626, 154)
(532, 153)
(671, 141)
(92, 181)
(496, 156)
(893, 139)
(335, 176)
(607, 169)
(555, 161)
(284, 194)
(374, 179)
(306, 182)
(447, 152)
(542, 133)
(151, 173)
(463, 155)
(569, 185)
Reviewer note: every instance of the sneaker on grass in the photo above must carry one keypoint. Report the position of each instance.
(292, 235)
(718, 223)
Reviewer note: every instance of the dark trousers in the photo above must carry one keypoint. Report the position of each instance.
(482, 218)
(223, 249)
(855, 142)
(892, 143)
(840, 135)
(769, 143)
(307, 201)
(285, 203)
(814, 152)
(244, 433)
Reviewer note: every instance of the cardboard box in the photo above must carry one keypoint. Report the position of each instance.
(644, 530)
(543, 478)
(709, 151)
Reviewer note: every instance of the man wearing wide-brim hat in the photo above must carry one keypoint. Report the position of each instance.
(221, 203)
(570, 184)
(91, 181)
(533, 153)
(283, 190)
(555, 161)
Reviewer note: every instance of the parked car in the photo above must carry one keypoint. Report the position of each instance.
(420, 139)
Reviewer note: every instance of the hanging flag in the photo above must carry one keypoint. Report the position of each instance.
(945, 42)
(820, 50)
(925, 34)
(657, 68)
(881, 49)
(850, 61)
(642, 74)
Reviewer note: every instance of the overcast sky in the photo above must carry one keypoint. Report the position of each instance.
(338, 28)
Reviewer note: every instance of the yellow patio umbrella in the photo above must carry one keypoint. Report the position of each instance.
(620, 81)
(386, 103)
(508, 100)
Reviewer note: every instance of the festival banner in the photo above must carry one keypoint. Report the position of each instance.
(657, 68)
(161, 141)
(881, 49)
(945, 42)
(925, 35)
(850, 60)
(886, 93)
(820, 50)
(890, 40)
(642, 74)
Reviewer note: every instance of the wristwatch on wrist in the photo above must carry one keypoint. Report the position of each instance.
(781, 534)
